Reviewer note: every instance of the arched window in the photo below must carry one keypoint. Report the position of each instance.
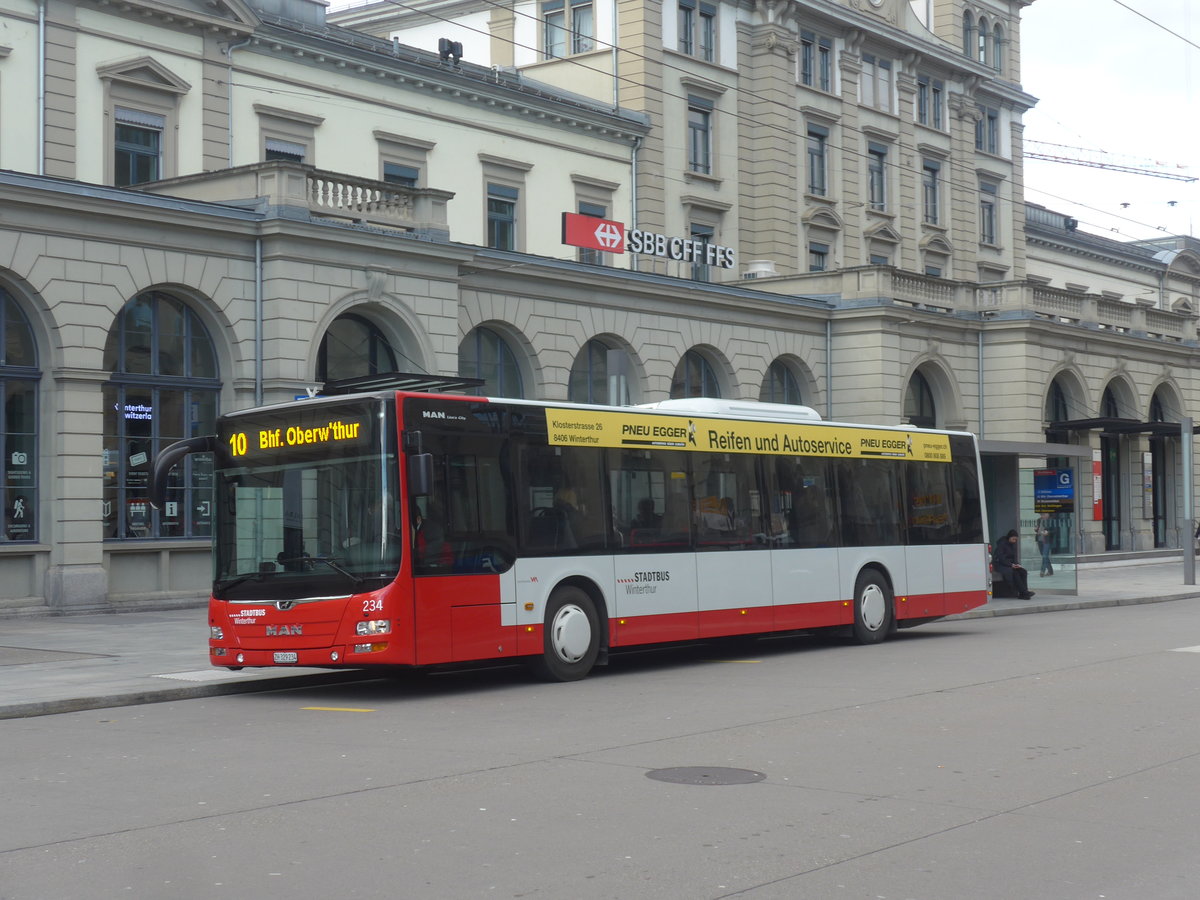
(353, 347)
(484, 354)
(1056, 404)
(599, 374)
(919, 408)
(164, 387)
(1157, 411)
(984, 39)
(998, 47)
(694, 377)
(19, 377)
(780, 386)
(1109, 408)
(968, 34)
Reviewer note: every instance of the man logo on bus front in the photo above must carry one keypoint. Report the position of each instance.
(691, 432)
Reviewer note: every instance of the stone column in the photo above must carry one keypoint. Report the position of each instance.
(76, 580)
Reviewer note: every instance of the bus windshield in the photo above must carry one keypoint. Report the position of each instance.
(306, 503)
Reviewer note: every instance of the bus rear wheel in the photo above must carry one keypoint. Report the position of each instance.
(874, 613)
(570, 638)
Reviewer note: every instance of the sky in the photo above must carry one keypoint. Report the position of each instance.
(1125, 91)
(1112, 87)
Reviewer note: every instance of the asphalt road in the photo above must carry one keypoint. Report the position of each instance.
(1049, 756)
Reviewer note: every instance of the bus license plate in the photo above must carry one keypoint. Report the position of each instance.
(285, 656)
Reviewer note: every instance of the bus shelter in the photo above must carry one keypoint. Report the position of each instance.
(1036, 487)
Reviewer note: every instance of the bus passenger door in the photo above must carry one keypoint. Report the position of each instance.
(463, 552)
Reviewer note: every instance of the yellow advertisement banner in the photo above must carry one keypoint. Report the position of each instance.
(585, 428)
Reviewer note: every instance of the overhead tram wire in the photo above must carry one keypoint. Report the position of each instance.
(969, 186)
(1157, 24)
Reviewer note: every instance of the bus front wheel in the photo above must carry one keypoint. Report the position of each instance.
(874, 614)
(570, 638)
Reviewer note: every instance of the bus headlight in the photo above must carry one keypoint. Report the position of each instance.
(216, 633)
(374, 626)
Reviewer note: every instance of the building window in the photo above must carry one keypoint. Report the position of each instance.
(878, 259)
(19, 377)
(600, 374)
(930, 93)
(287, 151)
(404, 176)
(164, 388)
(704, 234)
(987, 212)
(698, 29)
(590, 254)
(877, 175)
(694, 377)
(816, 61)
(931, 188)
(818, 160)
(780, 386)
(998, 47)
(502, 217)
(351, 348)
(485, 354)
(137, 151)
(569, 27)
(984, 37)
(876, 86)
(818, 256)
(700, 135)
(987, 130)
(919, 407)
(933, 271)
(968, 34)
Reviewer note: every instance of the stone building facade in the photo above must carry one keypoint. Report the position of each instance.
(277, 200)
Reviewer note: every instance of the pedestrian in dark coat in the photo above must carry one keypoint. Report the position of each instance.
(1005, 560)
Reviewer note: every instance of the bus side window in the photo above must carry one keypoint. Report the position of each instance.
(805, 498)
(927, 502)
(650, 503)
(560, 499)
(726, 504)
(869, 491)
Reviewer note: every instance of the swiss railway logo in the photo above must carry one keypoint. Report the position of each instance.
(593, 233)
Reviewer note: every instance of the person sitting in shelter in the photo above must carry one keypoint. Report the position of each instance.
(1005, 561)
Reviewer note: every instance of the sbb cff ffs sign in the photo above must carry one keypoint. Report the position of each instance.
(612, 237)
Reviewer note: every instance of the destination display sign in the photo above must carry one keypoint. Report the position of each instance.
(294, 431)
(583, 428)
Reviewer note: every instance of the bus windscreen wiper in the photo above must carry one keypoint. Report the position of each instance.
(330, 561)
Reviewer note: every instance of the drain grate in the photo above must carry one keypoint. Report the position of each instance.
(705, 775)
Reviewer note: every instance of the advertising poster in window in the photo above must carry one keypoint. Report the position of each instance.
(19, 515)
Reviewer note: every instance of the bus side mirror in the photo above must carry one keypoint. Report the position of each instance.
(420, 474)
(166, 460)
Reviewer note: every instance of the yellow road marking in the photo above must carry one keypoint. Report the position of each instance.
(735, 660)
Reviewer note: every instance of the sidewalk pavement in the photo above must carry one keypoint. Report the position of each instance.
(61, 664)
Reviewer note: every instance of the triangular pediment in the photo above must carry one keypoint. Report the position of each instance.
(883, 232)
(823, 217)
(937, 244)
(146, 72)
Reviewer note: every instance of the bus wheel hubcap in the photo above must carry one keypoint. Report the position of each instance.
(873, 607)
(571, 634)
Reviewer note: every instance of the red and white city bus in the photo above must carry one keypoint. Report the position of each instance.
(414, 529)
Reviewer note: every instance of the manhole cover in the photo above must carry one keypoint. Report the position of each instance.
(705, 775)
